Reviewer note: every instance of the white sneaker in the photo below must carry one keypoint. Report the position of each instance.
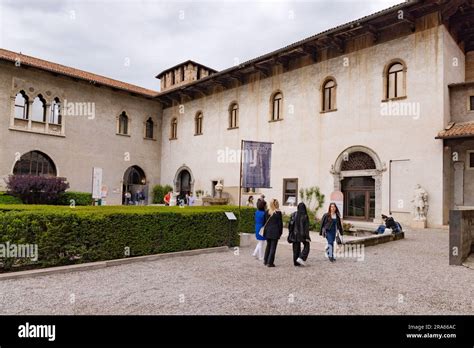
(300, 261)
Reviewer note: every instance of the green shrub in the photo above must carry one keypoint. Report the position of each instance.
(8, 199)
(247, 220)
(79, 198)
(66, 235)
(159, 193)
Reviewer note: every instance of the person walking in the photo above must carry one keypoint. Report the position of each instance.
(272, 232)
(331, 224)
(259, 223)
(299, 233)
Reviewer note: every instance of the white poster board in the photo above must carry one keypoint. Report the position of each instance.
(96, 183)
(338, 198)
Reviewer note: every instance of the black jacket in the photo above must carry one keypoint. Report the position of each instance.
(274, 227)
(298, 228)
(326, 221)
(392, 224)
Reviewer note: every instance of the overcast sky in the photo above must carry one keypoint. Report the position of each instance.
(134, 40)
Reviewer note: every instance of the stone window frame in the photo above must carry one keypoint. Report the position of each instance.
(385, 88)
(280, 106)
(333, 94)
(470, 102)
(44, 127)
(284, 191)
(173, 128)
(55, 101)
(198, 123)
(233, 125)
(469, 153)
(45, 106)
(145, 129)
(128, 124)
(25, 107)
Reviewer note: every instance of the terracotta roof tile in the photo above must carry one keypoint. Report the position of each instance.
(458, 130)
(71, 72)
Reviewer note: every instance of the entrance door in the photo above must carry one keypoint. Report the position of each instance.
(134, 183)
(359, 198)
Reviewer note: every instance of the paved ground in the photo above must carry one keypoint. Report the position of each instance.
(409, 276)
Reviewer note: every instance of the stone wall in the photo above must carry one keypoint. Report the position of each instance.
(461, 235)
(307, 142)
(87, 141)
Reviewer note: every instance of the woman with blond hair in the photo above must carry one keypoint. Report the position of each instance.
(272, 232)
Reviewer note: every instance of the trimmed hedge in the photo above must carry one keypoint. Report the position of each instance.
(8, 199)
(67, 235)
(80, 198)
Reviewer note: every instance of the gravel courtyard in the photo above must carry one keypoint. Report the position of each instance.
(410, 276)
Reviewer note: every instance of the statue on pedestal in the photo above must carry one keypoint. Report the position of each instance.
(420, 203)
(219, 187)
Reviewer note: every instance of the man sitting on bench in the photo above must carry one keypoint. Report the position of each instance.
(389, 223)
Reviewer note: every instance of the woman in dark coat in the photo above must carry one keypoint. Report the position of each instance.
(272, 232)
(331, 223)
(299, 233)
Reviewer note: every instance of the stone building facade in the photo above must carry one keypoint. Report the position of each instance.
(362, 108)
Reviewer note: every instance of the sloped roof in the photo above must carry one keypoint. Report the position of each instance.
(72, 72)
(457, 130)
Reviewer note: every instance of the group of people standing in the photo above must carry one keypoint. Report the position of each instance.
(184, 198)
(269, 229)
(135, 198)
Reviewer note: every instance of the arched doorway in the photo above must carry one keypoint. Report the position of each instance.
(135, 189)
(358, 174)
(183, 181)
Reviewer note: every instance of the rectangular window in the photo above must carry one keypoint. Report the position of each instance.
(276, 109)
(470, 159)
(290, 191)
(471, 103)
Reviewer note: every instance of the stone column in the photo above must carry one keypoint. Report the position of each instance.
(12, 111)
(378, 196)
(459, 183)
(337, 181)
(28, 113)
(48, 108)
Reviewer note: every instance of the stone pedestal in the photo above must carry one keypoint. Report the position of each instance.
(418, 224)
(198, 202)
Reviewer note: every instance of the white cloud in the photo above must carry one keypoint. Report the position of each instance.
(100, 35)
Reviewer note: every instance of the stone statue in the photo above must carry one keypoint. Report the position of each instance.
(219, 187)
(420, 203)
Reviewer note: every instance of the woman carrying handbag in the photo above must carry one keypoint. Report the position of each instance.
(272, 232)
(331, 226)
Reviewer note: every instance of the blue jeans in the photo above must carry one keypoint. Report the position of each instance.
(330, 237)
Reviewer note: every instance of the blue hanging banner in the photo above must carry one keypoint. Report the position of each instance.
(256, 164)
